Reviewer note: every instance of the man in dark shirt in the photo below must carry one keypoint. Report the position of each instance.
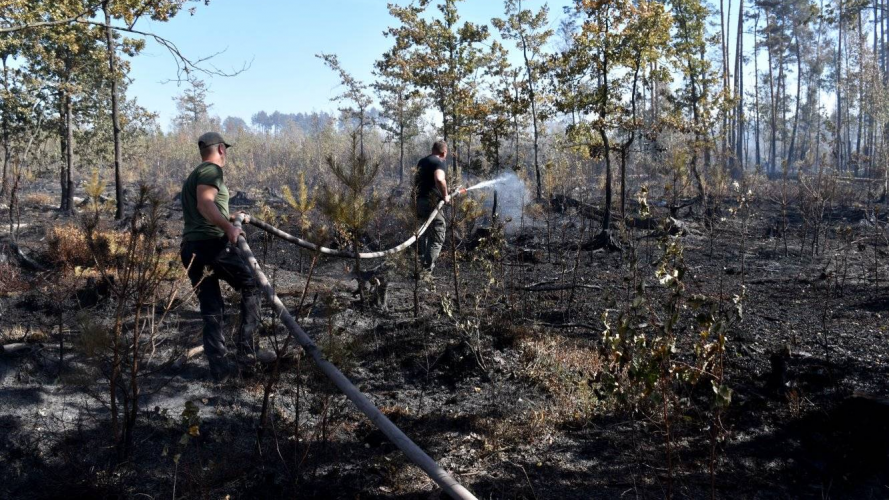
(431, 187)
(210, 253)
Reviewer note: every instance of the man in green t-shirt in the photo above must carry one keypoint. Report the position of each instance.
(209, 243)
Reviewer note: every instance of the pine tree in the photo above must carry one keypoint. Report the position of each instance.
(355, 94)
(192, 105)
(352, 204)
(402, 108)
(441, 56)
(530, 32)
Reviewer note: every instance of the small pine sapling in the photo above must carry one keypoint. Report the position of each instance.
(302, 203)
(353, 204)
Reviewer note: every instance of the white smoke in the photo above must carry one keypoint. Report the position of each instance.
(512, 195)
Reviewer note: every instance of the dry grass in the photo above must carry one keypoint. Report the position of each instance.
(38, 200)
(19, 333)
(172, 268)
(67, 246)
(11, 281)
(497, 435)
(567, 371)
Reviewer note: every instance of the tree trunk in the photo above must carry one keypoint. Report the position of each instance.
(860, 95)
(723, 45)
(818, 142)
(773, 104)
(6, 156)
(799, 86)
(604, 239)
(7, 152)
(702, 188)
(115, 112)
(871, 123)
(738, 169)
(63, 146)
(703, 57)
(533, 117)
(782, 102)
(884, 27)
(401, 157)
(606, 217)
(879, 18)
(625, 148)
(515, 120)
(756, 88)
(69, 154)
(839, 124)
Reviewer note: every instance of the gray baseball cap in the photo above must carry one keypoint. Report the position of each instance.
(211, 139)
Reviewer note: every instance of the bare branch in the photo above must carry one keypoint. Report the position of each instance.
(184, 65)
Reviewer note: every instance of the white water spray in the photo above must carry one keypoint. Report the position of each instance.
(512, 194)
(485, 184)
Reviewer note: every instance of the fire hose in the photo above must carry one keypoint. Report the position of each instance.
(345, 254)
(365, 405)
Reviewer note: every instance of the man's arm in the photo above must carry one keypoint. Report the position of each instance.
(207, 207)
(442, 184)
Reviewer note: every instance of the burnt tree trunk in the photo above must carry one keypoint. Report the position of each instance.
(115, 113)
(799, 86)
(839, 61)
(4, 119)
(773, 105)
(738, 161)
(63, 146)
(69, 154)
(401, 154)
(756, 90)
(533, 117)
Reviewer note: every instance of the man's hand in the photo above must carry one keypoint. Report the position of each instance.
(207, 207)
(232, 233)
(447, 199)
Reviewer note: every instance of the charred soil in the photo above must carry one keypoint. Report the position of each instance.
(508, 392)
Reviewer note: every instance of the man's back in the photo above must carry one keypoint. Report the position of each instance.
(197, 227)
(424, 178)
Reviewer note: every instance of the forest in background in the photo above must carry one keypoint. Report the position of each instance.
(616, 86)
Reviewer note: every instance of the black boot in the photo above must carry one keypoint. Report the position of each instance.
(220, 369)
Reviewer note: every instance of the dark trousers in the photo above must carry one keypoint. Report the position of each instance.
(430, 242)
(209, 261)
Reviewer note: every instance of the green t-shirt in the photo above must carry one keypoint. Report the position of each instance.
(196, 226)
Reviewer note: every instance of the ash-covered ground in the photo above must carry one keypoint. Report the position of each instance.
(503, 392)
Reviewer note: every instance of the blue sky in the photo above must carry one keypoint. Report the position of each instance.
(281, 38)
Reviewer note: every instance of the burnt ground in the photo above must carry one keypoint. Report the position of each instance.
(505, 393)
